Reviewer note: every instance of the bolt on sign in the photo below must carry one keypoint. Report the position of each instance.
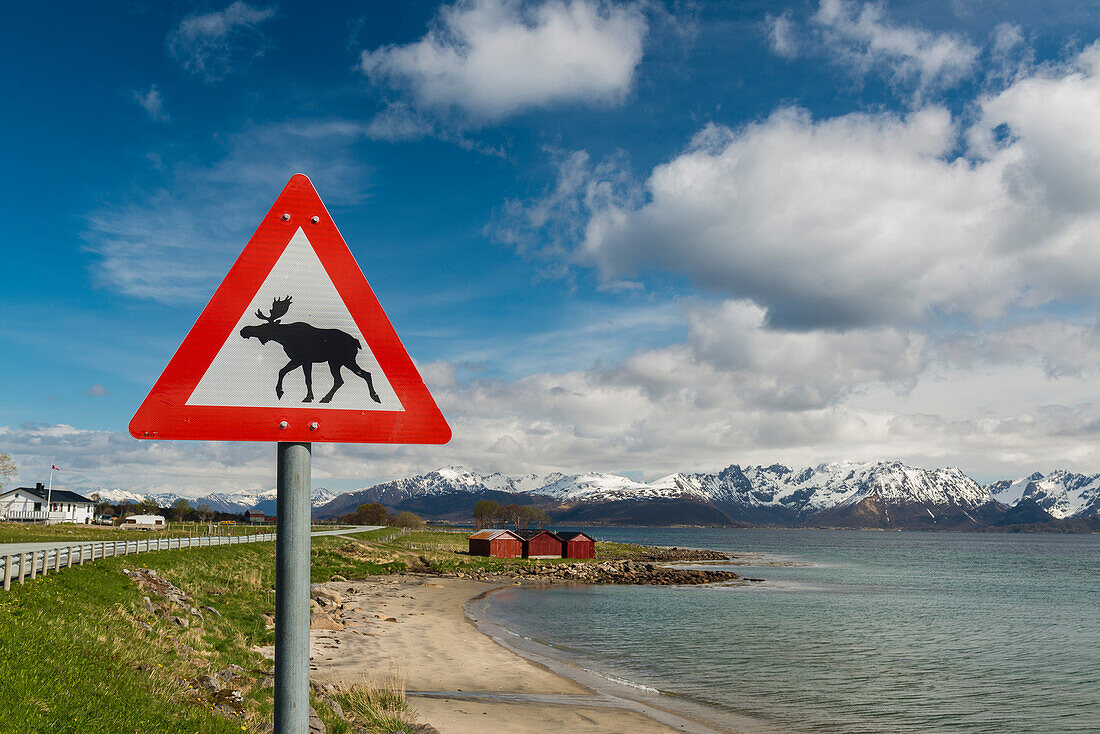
(293, 346)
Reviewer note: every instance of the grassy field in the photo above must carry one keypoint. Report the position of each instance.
(13, 532)
(446, 550)
(75, 656)
(80, 653)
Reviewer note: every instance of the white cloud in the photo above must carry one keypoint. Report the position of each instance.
(1062, 348)
(862, 37)
(492, 58)
(95, 459)
(583, 335)
(399, 122)
(732, 391)
(792, 370)
(1007, 38)
(999, 404)
(173, 243)
(841, 222)
(781, 34)
(211, 44)
(153, 104)
(1011, 55)
(861, 219)
(549, 225)
(98, 391)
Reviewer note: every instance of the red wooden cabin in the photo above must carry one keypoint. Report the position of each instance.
(496, 543)
(577, 545)
(540, 544)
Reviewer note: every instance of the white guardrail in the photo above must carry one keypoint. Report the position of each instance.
(20, 566)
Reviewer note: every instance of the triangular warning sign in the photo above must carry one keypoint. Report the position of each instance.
(293, 346)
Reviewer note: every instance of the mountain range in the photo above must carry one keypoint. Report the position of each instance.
(887, 495)
(845, 494)
(233, 502)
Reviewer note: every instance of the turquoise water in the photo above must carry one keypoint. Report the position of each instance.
(871, 632)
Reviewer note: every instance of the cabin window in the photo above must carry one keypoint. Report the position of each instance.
(37, 506)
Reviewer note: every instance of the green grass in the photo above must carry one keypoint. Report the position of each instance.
(70, 661)
(74, 658)
(377, 704)
(379, 534)
(334, 556)
(446, 550)
(456, 541)
(13, 532)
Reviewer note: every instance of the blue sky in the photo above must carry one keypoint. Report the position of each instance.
(637, 237)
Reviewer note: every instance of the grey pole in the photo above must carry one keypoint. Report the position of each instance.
(292, 590)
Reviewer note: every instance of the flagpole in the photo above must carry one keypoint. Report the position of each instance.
(49, 495)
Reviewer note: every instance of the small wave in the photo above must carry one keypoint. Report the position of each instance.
(620, 681)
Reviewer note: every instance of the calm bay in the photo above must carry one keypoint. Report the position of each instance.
(851, 631)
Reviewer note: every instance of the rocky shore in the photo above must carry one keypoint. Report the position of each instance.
(650, 566)
(623, 572)
(647, 567)
(678, 555)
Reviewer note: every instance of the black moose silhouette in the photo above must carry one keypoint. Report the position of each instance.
(305, 345)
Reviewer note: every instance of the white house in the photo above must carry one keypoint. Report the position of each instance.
(146, 522)
(26, 503)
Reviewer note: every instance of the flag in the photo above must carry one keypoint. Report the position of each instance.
(55, 467)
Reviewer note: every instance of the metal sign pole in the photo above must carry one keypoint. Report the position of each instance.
(292, 589)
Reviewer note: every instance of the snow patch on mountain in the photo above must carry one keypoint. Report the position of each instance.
(116, 496)
(231, 502)
(1061, 493)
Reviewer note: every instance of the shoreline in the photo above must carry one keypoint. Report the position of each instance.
(465, 672)
(684, 714)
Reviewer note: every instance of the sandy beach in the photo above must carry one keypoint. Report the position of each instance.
(461, 680)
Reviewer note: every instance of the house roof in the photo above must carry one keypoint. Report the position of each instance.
(574, 535)
(529, 534)
(58, 495)
(492, 534)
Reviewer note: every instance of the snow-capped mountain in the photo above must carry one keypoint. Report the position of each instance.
(843, 494)
(1061, 494)
(232, 502)
(266, 501)
(595, 487)
(769, 495)
(115, 496)
(434, 490)
(826, 486)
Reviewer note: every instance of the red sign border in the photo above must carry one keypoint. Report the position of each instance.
(164, 414)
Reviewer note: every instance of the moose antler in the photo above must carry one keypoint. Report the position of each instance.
(279, 307)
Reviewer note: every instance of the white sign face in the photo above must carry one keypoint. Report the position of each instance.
(269, 357)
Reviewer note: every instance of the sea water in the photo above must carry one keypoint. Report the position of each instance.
(851, 631)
